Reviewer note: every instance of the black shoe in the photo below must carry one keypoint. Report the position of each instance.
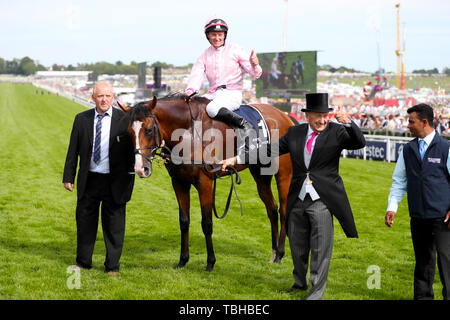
(83, 266)
(245, 131)
(296, 288)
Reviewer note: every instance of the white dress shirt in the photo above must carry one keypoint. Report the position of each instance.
(103, 164)
(307, 186)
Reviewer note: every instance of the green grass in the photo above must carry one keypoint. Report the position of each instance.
(38, 233)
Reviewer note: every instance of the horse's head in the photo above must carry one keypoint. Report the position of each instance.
(146, 134)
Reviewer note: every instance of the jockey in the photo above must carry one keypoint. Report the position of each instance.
(224, 65)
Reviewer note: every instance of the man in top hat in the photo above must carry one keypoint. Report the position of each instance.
(316, 191)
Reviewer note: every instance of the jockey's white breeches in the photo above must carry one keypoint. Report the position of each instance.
(223, 98)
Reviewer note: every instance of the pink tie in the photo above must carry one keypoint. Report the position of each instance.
(310, 142)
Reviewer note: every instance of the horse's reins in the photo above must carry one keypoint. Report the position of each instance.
(209, 168)
(231, 170)
(192, 116)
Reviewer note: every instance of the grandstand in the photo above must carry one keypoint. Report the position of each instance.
(384, 115)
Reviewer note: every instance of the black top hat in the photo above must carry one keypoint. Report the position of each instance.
(317, 102)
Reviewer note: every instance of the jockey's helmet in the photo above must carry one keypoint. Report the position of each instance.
(217, 25)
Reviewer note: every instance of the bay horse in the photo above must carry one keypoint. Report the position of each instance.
(153, 126)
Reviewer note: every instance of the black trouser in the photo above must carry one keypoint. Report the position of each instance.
(430, 236)
(98, 190)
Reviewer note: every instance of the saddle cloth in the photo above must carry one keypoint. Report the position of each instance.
(254, 117)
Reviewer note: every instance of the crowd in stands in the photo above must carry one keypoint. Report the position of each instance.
(390, 120)
(372, 118)
(395, 119)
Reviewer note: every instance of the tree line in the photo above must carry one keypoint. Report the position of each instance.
(24, 66)
(27, 66)
(327, 67)
(433, 71)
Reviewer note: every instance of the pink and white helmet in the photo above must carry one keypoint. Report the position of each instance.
(216, 24)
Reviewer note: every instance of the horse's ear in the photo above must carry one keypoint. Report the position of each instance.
(124, 108)
(152, 103)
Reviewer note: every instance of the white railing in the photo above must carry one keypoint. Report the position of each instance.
(78, 99)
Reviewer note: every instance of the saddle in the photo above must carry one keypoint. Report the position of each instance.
(254, 117)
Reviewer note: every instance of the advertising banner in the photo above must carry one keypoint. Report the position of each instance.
(375, 150)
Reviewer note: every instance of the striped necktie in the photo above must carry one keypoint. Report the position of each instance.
(422, 148)
(98, 138)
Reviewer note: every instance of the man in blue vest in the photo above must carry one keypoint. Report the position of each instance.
(423, 171)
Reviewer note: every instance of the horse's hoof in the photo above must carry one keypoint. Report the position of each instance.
(180, 265)
(274, 256)
(182, 262)
(209, 268)
(277, 260)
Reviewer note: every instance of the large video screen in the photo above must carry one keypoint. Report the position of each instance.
(287, 74)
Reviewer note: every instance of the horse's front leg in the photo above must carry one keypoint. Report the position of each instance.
(205, 194)
(182, 192)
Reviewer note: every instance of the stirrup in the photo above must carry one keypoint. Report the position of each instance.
(247, 144)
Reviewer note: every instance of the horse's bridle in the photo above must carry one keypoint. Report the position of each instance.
(158, 140)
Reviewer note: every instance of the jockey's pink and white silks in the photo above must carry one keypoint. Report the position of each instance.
(225, 65)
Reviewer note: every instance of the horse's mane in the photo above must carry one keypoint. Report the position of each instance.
(182, 96)
(140, 110)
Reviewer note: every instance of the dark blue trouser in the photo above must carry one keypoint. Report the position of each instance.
(430, 236)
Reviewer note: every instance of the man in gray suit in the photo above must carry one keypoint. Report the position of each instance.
(316, 191)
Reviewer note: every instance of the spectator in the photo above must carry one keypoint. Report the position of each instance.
(423, 170)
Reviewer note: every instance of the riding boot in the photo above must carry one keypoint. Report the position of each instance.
(231, 118)
(244, 130)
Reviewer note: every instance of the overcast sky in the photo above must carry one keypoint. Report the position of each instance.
(343, 31)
